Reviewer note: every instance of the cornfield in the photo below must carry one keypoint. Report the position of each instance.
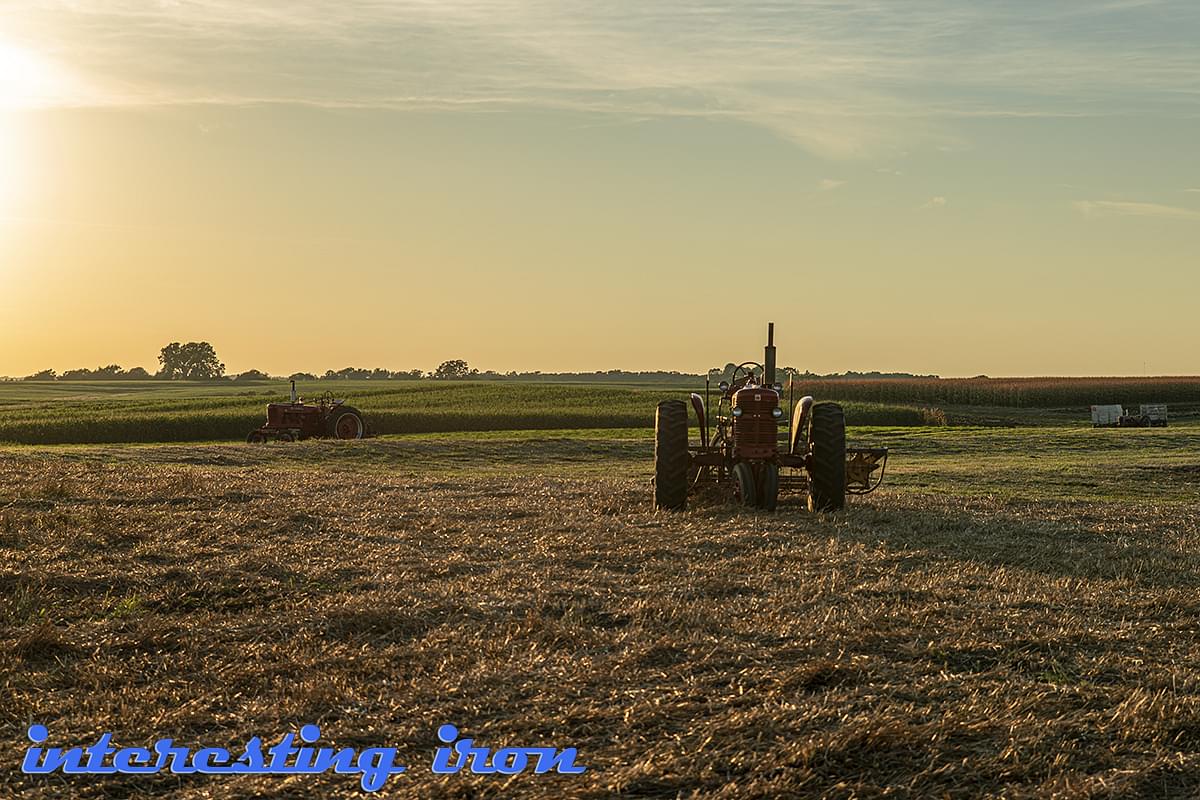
(1012, 392)
(411, 408)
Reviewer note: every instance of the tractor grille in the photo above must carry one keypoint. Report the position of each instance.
(755, 431)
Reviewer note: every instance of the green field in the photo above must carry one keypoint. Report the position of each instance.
(152, 411)
(1013, 392)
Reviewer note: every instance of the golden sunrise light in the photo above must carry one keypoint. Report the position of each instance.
(15, 169)
(604, 173)
(26, 79)
(27, 82)
(8, 162)
(578, 399)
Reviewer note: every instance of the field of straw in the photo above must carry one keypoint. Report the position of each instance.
(1014, 615)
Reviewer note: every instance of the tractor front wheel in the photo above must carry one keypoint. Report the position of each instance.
(743, 484)
(768, 487)
(345, 423)
(256, 437)
(827, 443)
(671, 457)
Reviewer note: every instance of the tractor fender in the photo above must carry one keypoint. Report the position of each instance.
(798, 445)
(698, 404)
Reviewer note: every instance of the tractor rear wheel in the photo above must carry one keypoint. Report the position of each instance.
(345, 423)
(743, 484)
(768, 487)
(671, 458)
(827, 476)
(256, 437)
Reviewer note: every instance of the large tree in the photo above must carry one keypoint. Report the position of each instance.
(455, 368)
(191, 361)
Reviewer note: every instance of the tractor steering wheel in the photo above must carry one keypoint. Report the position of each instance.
(748, 368)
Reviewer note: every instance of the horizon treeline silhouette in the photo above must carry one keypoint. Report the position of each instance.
(198, 361)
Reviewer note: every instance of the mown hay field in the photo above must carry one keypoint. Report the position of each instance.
(1014, 614)
(112, 412)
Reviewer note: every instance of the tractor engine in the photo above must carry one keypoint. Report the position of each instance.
(294, 416)
(756, 414)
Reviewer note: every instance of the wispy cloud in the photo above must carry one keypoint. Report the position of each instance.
(828, 184)
(934, 202)
(840, 79)
(1134, 209)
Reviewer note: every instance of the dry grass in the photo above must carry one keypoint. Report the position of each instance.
(925, 643)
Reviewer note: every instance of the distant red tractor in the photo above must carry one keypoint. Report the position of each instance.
(329, 418)
(745, 453)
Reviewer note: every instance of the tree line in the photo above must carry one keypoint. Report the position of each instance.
(198, 361)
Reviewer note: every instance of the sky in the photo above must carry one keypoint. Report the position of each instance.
(933, 186)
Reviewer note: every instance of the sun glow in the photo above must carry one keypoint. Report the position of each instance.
(10, 162)
(25, 80)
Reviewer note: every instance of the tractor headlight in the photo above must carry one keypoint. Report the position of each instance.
(779, 387)
(776, 412)
(737, 412)
(723, 386)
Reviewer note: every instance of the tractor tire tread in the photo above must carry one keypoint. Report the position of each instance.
(827, 481)
(747, 487)
(338, 413)
(671, 457)
(768, 488)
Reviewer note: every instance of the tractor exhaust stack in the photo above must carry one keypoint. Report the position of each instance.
(769, 357)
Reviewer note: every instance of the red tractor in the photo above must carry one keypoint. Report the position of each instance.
(289, 422)
(744, 451)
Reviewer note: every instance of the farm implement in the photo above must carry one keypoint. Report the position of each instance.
(295, 420)
(1151, 415)
(740, 447)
